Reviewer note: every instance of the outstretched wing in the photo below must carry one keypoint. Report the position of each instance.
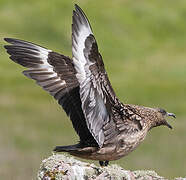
(55, 73)
(96, 92)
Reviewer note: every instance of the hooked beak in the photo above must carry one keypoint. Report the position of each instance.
(166, 123)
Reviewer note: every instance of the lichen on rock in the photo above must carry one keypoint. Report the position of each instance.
(63, 167)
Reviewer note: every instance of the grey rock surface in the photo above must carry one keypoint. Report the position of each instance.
(62, 167)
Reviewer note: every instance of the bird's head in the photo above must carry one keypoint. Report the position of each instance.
(160, 118)
(152, 117)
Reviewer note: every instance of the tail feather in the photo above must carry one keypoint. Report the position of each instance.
(66, 148)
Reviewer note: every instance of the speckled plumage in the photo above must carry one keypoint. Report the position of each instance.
(108, 129)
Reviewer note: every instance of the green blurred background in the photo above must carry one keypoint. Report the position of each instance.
(143, 44)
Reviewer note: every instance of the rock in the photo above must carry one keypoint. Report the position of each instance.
(62, 167)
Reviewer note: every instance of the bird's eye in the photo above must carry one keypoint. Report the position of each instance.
(162, 111)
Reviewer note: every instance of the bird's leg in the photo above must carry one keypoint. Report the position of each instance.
(103, 163)
(106, 163)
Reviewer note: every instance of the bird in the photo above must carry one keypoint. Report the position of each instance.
(107, 128)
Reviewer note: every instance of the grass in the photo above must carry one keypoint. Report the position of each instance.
(143, 46)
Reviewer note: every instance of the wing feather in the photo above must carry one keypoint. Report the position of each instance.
(95, 89)
(55, 73)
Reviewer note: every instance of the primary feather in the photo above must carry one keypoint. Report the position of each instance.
(55, 73)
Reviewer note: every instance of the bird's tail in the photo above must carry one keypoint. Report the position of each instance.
(70, 148)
